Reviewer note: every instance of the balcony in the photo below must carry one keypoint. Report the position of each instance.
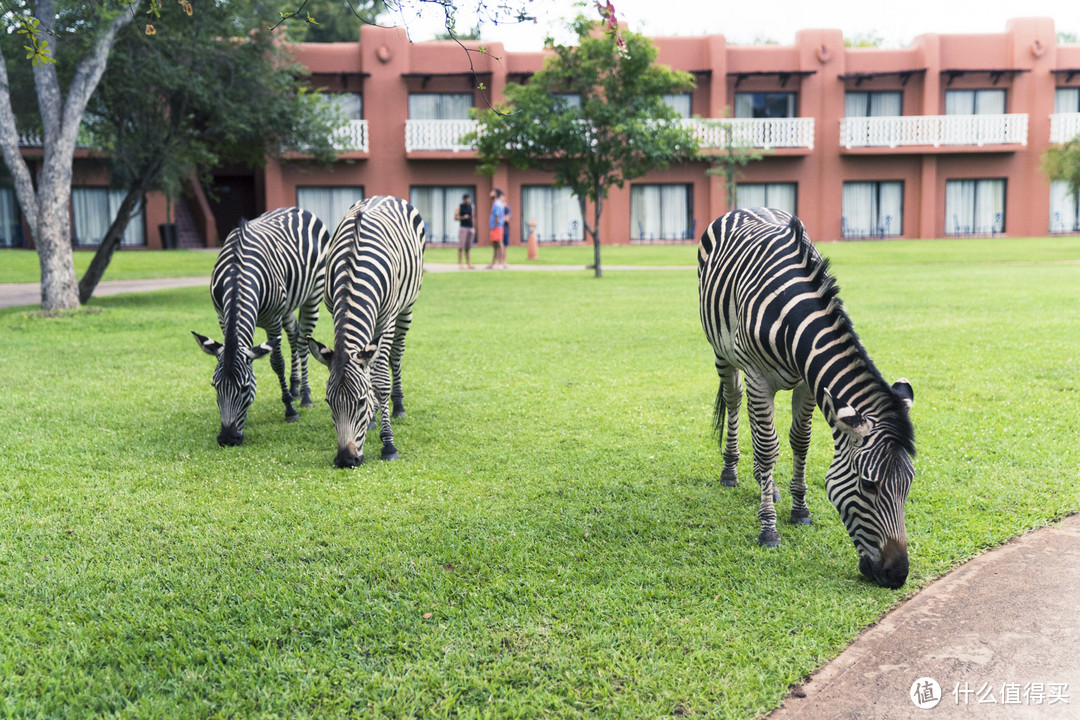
(352, 138)
(437, 135)
(1064, 127)
(763, 133)
(935, 131)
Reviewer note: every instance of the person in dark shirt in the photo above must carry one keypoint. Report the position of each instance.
(466, 230)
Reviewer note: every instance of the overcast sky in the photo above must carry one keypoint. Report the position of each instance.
(897, 23)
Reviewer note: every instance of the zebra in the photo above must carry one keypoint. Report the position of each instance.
(771, 310)
(374, 269)
(268, 269)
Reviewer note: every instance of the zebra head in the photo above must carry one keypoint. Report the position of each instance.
(349, 395)
(869, 479)
(234, 381)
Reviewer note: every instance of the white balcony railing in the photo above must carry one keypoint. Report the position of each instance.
(1064, 127)
(765, 133)
(353, 137)
(437, 134)
(934, 130)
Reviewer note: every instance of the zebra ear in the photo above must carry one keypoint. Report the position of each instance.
(852, 422)
(259, 351)
(208, 346)
(903, 390)
(364, 357)
(320, 352)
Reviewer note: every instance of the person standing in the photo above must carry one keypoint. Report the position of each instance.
(466, 230)
(495, 227)
(506, 233)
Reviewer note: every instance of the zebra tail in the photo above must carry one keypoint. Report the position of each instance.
(719, 415)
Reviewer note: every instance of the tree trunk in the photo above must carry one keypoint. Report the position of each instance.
(597, 206)
(108, 245)
(59, 289)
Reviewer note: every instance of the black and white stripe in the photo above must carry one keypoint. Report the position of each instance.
(269, 269)
(374, 269)
(770, 309)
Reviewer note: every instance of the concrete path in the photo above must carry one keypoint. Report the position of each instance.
(999, 637)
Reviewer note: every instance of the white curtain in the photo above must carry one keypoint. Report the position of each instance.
(873, 104)
(781, 196)
(975, 102)
(859, 208)
(94, 210)
(556, 212)
(329, 204)
(764, 105)
(660, 212)
(959, 102)
(989, 206)
(436, 204)
(1063, 208)
(1067, 100)
(10, 228)
(744, 105)
(891, 208)
(679, 103)
(351, 105)
(989, 102)
(974, 207)
(439, 106)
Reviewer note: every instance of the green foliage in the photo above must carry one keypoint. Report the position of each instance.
(620, 130)
(868, 39)
(1063, 163)
(329, 20)
(1068, 38)
(554, 541)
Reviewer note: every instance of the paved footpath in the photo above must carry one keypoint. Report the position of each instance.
(999, 637)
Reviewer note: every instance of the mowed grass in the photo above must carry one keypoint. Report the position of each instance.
(553, 542)
(22, 266)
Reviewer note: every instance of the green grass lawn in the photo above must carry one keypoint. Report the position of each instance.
(554, 541)
(21, 266)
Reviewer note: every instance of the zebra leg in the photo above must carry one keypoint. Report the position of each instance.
(278, 363)
(309, 317)
(802, 412)
(760, 400)
(380, 386)
(729, 398)
(293, 331)
(396, 351)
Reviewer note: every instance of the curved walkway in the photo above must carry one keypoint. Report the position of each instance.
(998, 637)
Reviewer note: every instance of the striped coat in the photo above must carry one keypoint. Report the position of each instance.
(268, 270)
(771, 311)
(374, 269)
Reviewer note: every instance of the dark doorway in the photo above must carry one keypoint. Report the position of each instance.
(232, 197)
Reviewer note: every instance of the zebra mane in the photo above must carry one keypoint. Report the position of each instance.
(894, 414)
(234, 271)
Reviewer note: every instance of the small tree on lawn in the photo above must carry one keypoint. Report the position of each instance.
(1062, 162)
(734, 155)
(620, 129)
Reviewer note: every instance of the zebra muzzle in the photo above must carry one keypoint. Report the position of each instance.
(230, 436)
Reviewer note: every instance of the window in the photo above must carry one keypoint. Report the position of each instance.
(1067, 100)
(873, 209)
(440, 106)
(437, 204)
(680, 103)
(329, 204)
(765, 105)
(10, 227)
(1064, 208)
(771, 195)
(974, 102)
(351, 105)
(568, 100)
(556, 212)
(974, 207)
(94, 210)
(661, 212)
(873, 104)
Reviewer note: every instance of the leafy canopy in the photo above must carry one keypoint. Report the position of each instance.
(594, 116)
(1063, 163)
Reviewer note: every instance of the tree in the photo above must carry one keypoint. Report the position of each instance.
(733, 157)
(92, 28)
(617, 129)
(332, 20)
(192, 99)
(1063, 163)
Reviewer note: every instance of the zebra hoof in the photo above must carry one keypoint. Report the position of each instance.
(801, 518)
(399, 409)
(769, 539)
(373, 424)
(729, 479)
(307, 404)
(390, 453)
(776, 496)
(292, 418)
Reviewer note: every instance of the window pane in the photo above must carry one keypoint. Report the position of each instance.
(436, 204)
(10, 227)
(1067, 100)
(135, 233)
(974, 207)
(764, 105)
(856, 104)
(329, 204)
(351, 105)
(661, 212)
(679, 103)
(886, 104)
(440, 106)
(750, 195)
(556, 212)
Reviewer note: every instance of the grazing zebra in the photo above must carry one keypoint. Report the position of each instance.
(268, 268)
(374, 268)
(770, 309)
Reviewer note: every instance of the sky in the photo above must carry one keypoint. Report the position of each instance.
(742, 22)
